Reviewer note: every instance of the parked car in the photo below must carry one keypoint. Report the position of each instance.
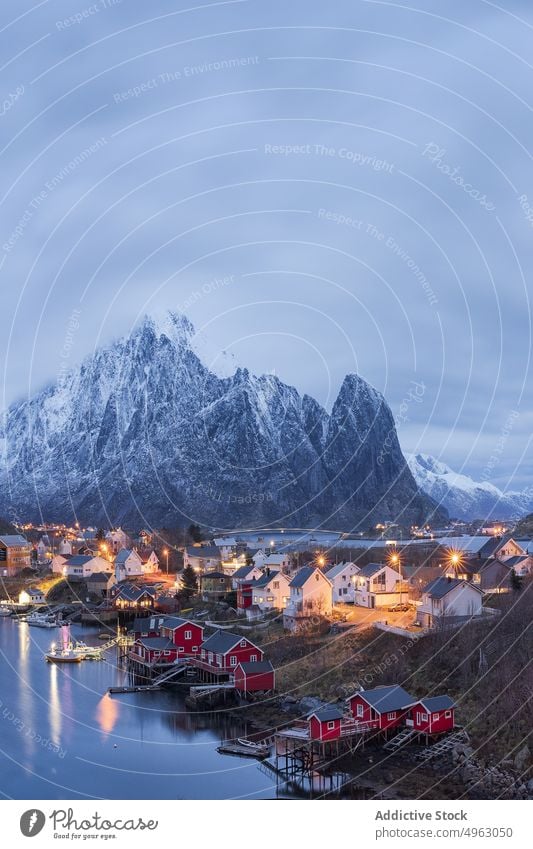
(398, 608)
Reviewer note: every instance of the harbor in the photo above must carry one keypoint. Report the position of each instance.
(64, 735)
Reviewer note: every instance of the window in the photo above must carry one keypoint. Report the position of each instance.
(181, 649)
(167, 652)
(435, 716)
(424, 717)
(253, 658)
(188, 635)
(276, 585)
(219, 660)
(202, 654)
(243, 644)
(391, 715)
(331, 726)
(447, 714)
(360, 710)
(233, 660)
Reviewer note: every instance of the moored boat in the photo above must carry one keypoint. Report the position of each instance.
(65, 655)
(42, 620)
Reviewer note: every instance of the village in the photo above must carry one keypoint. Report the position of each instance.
(239, 619)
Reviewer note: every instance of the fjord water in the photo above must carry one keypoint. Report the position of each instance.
(62, 737)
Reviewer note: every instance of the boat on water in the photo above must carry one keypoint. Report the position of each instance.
(41, 620)
(63, 655)
(72, 651)
(4, 610)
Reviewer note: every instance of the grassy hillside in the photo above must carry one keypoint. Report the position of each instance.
(487, 667)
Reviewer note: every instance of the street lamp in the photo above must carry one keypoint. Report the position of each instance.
(165, 552)
(396, 562)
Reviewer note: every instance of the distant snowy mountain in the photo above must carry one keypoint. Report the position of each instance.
(142, 432)
(463, 497)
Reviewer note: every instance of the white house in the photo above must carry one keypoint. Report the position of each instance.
(59, 562)
(271, 591)
(483, 546)
(202, 558)
(128, 564)
(32, 596)
(226, 546)
(42, 551)
(377, 585)
(273, 561)
(448, 600)
(65, 546)
(244, 575)
(150, 563)
(310, 596)
(117, 539)
(342, 576)
(82, 565)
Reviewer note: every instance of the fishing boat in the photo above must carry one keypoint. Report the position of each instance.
(63, 655)
(72, 651)
(42, 620)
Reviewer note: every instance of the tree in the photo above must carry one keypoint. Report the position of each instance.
(189, 583)
(195, 532)
(516, 581)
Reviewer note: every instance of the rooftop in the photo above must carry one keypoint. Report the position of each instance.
(384, 699)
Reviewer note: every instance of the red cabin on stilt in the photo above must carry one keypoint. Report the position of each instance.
(433, 715)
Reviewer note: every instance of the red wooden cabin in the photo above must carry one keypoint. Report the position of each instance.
(186, 635)
(254, 677)
(325, 723)
(381, 708)
(222, 652)
(147, 626)
(154, 650)
(433, 715)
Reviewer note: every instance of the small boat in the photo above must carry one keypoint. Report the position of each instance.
(63, 656)
(4, 610)
(42, 620)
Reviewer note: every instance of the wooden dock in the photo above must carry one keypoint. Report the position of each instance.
(138, 688)
(244, 749)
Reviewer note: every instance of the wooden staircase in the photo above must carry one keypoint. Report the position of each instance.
(400, 740)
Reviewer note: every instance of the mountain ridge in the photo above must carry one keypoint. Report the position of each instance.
(142, 431)
(462, 496)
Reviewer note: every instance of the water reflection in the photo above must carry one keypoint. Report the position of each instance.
(54, 707)
(107, 711)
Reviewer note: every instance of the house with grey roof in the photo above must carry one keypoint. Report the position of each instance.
(244, 575)
(80, 566)
(269, 592)
(202, 558)
(448, 601)
(379, 585)
(128, 564)
(342, 576)
(310, 599)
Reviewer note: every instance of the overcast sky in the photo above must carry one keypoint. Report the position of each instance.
(321, 187)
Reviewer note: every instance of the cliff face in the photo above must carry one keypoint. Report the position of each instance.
(142, 432)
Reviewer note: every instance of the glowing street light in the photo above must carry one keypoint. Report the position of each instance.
(165, 552)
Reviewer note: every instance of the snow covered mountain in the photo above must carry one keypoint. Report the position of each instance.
(143, 433)
(463, 497)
